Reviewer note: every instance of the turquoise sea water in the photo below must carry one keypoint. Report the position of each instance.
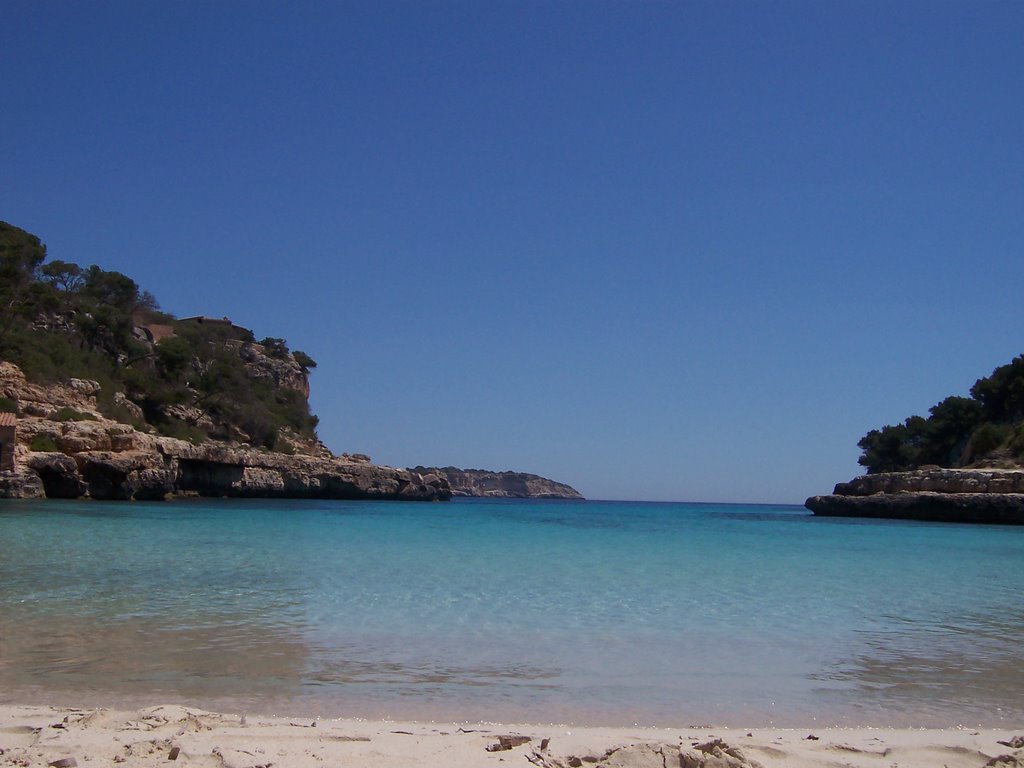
(584, 612)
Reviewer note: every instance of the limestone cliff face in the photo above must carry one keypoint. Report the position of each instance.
(279, 372)
(506, 485)
(46, 400)
(104, 459)
(947, 495)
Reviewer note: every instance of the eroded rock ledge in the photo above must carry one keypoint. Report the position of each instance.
(994, 496)
(107, 460)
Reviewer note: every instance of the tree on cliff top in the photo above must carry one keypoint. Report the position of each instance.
(958, 430)
(1001, 395)
(21, 253)
(59, 320)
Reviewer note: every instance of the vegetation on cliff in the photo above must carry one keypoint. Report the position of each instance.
(985, 428)
(192, 378)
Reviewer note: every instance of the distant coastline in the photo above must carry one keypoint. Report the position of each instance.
(501, 485)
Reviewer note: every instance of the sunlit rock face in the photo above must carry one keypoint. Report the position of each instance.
(99, 458)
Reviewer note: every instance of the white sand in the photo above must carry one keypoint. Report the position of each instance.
(39, 736)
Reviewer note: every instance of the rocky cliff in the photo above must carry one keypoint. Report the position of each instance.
(67, 449)
(505, 485)
(945, 495)
(168, 467)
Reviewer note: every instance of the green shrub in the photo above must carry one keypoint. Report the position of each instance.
(987, 438)
(42, 443)
(51, 357)
(180, 430)
(275, 347)
(303, 359)
(1016, 443)
(70, 414)
(7, 405)
(115, 410)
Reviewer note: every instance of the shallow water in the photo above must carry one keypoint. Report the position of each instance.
(586, 612)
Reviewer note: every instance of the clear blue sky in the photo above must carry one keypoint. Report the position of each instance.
(681, 251)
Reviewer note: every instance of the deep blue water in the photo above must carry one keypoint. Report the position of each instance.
(586, 612)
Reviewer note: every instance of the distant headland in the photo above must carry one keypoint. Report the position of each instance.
(963, 463)
(501, 485)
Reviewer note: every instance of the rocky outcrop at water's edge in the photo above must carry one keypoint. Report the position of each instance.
(103, 459)
(159, 467)
(994, 496)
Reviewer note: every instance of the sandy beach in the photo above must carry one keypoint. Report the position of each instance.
(170, 734)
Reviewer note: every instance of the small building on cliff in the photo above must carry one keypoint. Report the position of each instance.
(154, 333)
(8, 433)
(220, 322)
